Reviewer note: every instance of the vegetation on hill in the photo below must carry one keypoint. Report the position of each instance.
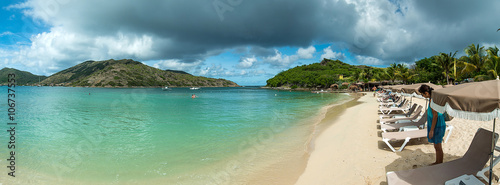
(128, 73)
(478, 64)
(321, 74)
(22, 77)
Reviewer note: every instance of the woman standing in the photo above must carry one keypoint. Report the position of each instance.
(435, 125)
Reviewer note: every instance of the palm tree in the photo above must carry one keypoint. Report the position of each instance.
(377, 76)
(403, 73)
(362, 75)
(493, 62)
(368, 74)
(357, 75)
(462, 68)
(475, 56)
(390, 72)
(445, 62)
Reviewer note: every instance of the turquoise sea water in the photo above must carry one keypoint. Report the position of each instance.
(77, 135)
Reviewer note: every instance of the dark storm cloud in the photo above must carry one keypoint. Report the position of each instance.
(409, 30)
(190, 30)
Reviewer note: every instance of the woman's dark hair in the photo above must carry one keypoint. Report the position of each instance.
(425, 88)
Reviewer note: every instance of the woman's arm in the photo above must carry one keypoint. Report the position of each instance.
(434, 123)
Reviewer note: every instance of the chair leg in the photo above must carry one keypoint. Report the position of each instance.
(388, 144)
(480, 174)
(496, 159)
(404, 144)
(450, 128)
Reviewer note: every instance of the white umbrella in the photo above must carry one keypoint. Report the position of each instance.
(474, 101)
(412, 90)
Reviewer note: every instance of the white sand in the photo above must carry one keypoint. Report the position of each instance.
(351, 150)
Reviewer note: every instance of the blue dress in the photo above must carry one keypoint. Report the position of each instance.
(439, 129)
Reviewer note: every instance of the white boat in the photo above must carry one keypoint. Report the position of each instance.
(39, 85)
(165, 88)
(194, 88)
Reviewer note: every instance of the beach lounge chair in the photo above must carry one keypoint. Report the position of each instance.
(384, 98)
(396, 101)
(474, 160)
(403, 108)
(407, 136)
(399, 126)
(398, 104)
(413, 116)
(383, 94)
(379, 95)
(413, 107)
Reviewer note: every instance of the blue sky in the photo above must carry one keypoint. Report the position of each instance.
(240, 40)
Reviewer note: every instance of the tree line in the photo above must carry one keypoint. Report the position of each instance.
(478, 64)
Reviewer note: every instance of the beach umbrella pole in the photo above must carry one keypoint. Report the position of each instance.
(492, 150)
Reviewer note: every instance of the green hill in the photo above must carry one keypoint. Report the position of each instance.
(128, 73)
(22, 77)
(323, 74)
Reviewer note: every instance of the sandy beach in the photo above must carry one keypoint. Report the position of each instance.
(351, 150)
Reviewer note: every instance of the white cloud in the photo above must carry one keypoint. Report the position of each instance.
(306, 53)
(55, 50)
(280, 60)
(176, 64)
(256, 72)
(283, 61)
(247, 62)
(329, 54)
(5, 33)
(137, 46)
(367, 60)
(213, 71)
(243, 72)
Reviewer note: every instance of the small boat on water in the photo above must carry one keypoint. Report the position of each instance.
(39, 84)
(322, 91)
(194, 88)
(165, 88)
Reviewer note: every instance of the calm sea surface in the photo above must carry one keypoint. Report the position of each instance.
(133, 136)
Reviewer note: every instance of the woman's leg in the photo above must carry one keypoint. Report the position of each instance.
(439, 153)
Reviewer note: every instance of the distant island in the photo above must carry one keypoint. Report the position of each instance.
(116, 73)
(22, 77)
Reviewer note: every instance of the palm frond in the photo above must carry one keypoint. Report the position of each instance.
(468, 67)
(481, 78)
(493, 73)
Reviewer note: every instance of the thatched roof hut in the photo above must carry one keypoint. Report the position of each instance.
(353, 87)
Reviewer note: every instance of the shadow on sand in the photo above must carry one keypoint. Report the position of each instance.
(411, 159)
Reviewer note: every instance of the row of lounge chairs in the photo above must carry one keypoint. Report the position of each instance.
(408, 122)
(472, 163)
